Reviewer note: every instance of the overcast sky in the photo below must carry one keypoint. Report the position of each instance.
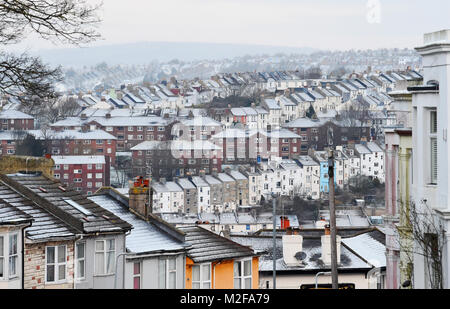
(323, 24)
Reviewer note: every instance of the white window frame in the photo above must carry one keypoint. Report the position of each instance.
(202, 282)
(242, 276)
(80, 259)
(13, 255)
(167, 272)
(105, 252)
(56, 265)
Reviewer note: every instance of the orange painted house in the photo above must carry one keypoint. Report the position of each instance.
(215, 262)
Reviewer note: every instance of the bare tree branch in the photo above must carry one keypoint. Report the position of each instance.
(67, 21)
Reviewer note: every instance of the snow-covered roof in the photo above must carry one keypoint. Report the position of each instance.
(185, 183)
(307, 161)
(367, 247)
(310, 246)
(145, 236)
(169, 186)
(237, 175)
(13, 114)
(350, 218)
(304, 122)
(59, 160)
(176, 145)
(8, 136)
(231, 133)
(224, 177)
(199, 182)
(271, 104)
(200, 121)
(211, 180)
(208, 246)
(72, 134)
(362, 149)
(374, 147)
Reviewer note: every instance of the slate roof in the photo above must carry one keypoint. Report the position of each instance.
(145, 236)
(169, 186)
(368, 248)
(57, 211)
(45, 226)
(224, 177)
(10, 215)
(312, 247)
(199, 182)
(208, 247)
(238, 175)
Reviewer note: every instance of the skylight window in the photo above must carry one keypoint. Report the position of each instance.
(77, 207)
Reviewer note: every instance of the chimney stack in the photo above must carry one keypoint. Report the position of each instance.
(292, 246)
(139, 197)
(326, 247)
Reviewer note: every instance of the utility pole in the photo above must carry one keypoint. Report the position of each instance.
(274, 219)
(334, 274)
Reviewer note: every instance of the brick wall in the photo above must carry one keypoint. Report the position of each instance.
(34, 269)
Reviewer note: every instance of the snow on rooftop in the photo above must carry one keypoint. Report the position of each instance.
(13, 114)
(371, 250)
(60, 160)
(144, 237)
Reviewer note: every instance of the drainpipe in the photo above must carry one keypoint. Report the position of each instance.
(75, 258)
(375, 271)
(23, 255)
(115, 273)
(117, 261)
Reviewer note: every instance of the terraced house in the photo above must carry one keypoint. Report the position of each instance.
(72, 242)
(215, 262)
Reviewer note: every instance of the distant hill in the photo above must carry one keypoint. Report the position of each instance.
(146, 52)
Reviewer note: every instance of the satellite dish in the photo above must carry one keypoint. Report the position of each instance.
(300, 256)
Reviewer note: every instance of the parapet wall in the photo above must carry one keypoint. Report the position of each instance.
(15, 164)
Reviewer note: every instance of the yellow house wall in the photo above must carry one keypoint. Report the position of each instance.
(222, 274)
